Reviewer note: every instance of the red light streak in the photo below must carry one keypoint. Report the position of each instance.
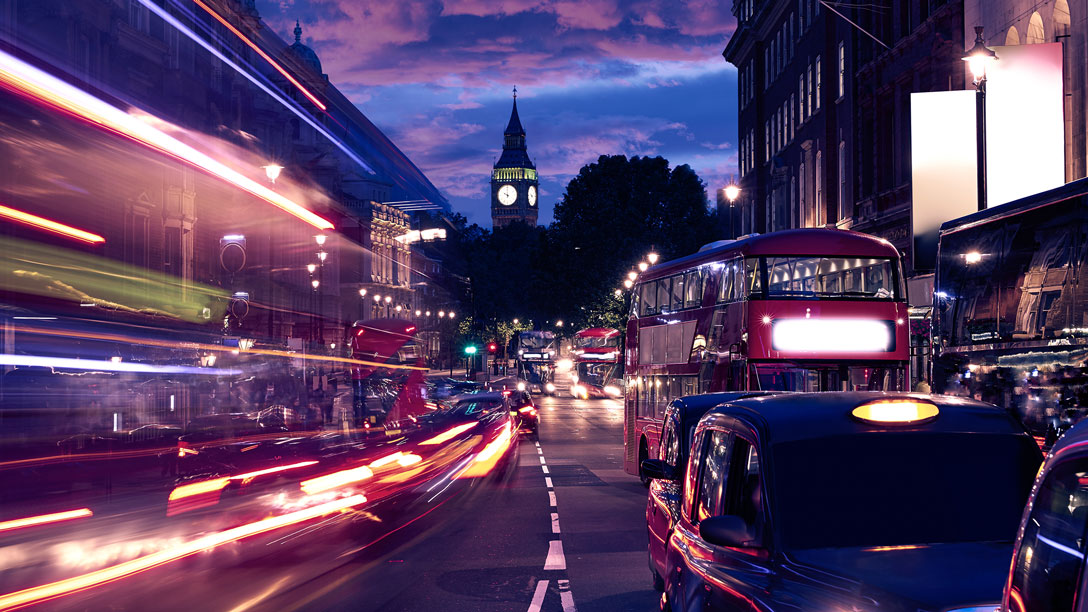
(490, 456)
(199, 488)
(49, 226)
(448, 434)
(67, 586)
(251, 475)
(43, 519)
(335, 480)
(260, 52)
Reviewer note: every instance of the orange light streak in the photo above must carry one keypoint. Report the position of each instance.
(78, 583)
(335, 480)
(448, 434)
(43, 519)
(47, 89)
(199, 488)
(261, 52)
(282, 468)
(489, 457)
(49, 226)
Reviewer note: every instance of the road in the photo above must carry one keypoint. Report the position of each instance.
(561, 529)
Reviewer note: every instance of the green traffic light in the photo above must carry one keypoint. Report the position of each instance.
(470, 350)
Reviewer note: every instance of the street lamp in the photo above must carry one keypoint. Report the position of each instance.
(652, 258)
(311, 268)
(516, 322)
(362, 293)
(320, 239)
(441, 314)
(731, 192)
(322, 255)
(628, 283)
(418, 313)
(631, 276)
(642, 266)
(316, 283)
(559, 323)
(978, 58)
(272, 171)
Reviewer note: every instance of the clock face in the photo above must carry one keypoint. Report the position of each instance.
(532, 195)
(507, 195)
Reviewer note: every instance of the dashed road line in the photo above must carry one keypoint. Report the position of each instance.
(548, 481)
(542, 462)
(566, 597)
(555, 522)
(538, 596)
(545, 468)
(551, 497)
(556, 560)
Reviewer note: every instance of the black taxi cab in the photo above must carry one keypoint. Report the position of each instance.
(1047, 571)
(849, 501)
(663, 502)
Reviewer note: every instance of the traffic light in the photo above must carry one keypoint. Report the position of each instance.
(470, 350)
(492, 348)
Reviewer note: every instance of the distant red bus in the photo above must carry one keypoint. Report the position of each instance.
(597, 363)
(387, 373)
(796, 310)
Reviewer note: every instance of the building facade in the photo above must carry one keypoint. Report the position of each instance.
(514, 184)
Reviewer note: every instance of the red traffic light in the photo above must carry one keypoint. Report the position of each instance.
(492, 347)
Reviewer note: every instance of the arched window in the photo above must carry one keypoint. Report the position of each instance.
(1036, 35)
(1013, 37)
(1061, 18)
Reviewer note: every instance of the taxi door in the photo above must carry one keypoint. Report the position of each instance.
(663, 502)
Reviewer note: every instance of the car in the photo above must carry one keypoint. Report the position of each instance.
(849, 501)
(521, 402)
(663, 502)
(1048, 557)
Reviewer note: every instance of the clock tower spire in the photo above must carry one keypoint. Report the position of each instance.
(513, 180)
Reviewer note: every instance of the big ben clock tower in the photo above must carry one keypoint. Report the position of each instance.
(513, 180)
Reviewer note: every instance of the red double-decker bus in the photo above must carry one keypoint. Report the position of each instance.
(796, 310)
(597, 364)
(387, 372)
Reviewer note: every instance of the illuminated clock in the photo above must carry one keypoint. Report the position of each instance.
(507, 195)
(532, 195)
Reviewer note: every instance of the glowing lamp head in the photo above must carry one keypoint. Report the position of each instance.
(521, 386)
(559, 324)
(643, 266)
(320, 239)
(398, 308)
(418, 313)
(441, 314)
(362, 293)
(322, 256)
(450, 314)
(972, 258)
(628, 284)
(311, 267)
(632, 275)
(731, 192)
(896, 412)
(652, 258)
(618, 293)
(377, 298)
(388, 299)
(316, 283)
(979, 57)
(272, 171)
(516, 321)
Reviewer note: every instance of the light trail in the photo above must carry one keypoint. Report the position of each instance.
(199, 488)
(282, 468)
(448, 434)
(44, 519)
(68, 586)
(168, 18)
(335, 480)
(261, 52)
(50, 225)
(48, 89)
(488, 458)
(95, 365)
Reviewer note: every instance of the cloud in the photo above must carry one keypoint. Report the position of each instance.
(716, 147)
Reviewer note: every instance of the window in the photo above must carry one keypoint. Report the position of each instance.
(866, 278)
(1048, 566)
(793, 113)
(712, 467)
(811, 96)
(743, 494)
(725, 286)
(818, 201)
(843, 201)
(753, 276)
(819, 81)
(805, 217)
(677, 292)
(649, 298)
(663, 295)
(670, 442)
(842, 70)
(693, 288)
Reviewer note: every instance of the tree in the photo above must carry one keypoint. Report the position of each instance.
(613, 213)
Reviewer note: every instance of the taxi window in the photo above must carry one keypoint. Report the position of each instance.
(743, 493)
(1051, 555)
(670, 441)
(698, 449)
(712, 468)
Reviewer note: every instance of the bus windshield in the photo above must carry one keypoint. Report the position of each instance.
(831, 277)
(584, 342)
(808, 378)
(536, 340)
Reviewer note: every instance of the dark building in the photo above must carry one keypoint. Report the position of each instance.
(824, 119)
(513, 180)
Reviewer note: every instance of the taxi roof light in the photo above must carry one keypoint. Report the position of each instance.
(896, 412)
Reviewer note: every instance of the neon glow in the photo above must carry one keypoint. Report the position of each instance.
(54, 92)
(405, 459)
(49, 226)
(140, 564)
(831, 335)
(94, 365)
(261, 53)
(448, 434)
(901, 412)
(335, 480)
(199, 488)
(43, 519)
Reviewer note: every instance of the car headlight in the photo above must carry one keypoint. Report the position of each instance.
(521, 386)
(550, 387)
(612, 390)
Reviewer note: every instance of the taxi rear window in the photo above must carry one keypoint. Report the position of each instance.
(891, 489)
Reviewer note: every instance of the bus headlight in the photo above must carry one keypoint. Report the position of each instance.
(550, 388)
(521, 386)
(612, 390)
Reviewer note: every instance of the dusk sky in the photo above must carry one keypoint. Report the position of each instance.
(593, 76)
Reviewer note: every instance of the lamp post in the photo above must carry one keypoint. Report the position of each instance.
(731, 192)
(978, 58)
(321, 255)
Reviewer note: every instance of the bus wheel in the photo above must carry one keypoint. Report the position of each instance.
(643, 455)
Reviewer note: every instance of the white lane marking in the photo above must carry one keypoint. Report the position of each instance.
(566, 597)
(545, 468)
(538, 596)
(555, 522)
(548, 481)
(539, 451)
(542, 462)
(551, 497)
(556, 560)
(537, 444)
